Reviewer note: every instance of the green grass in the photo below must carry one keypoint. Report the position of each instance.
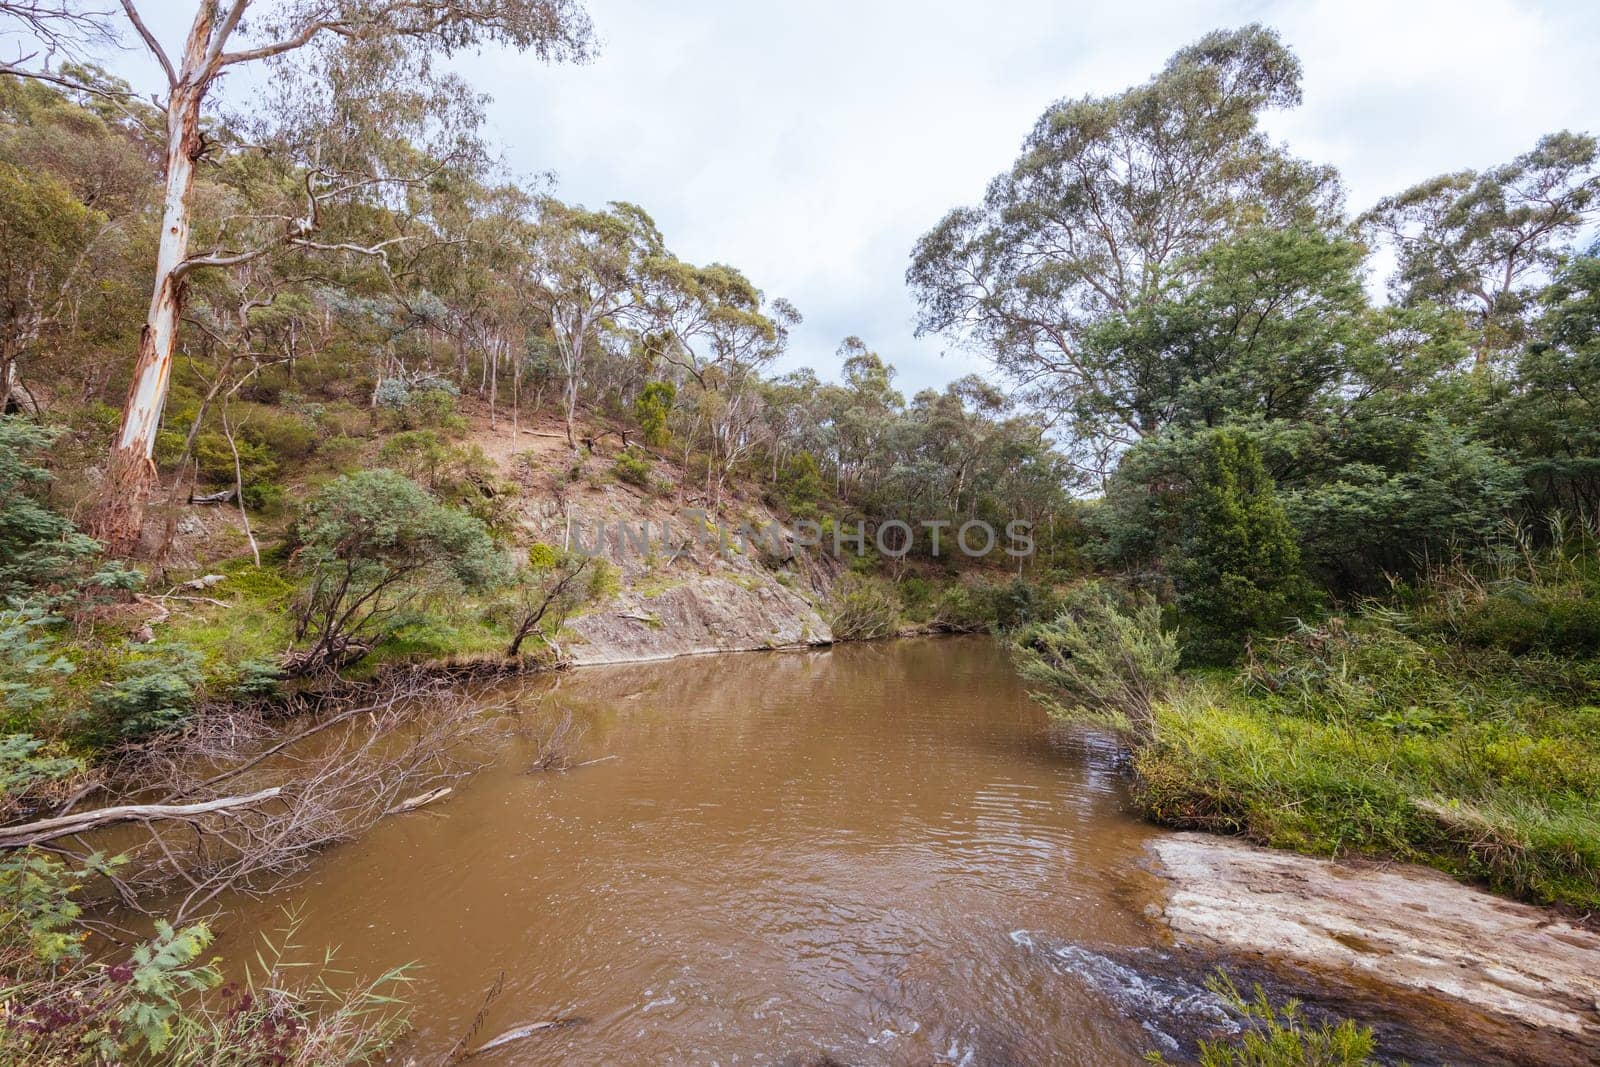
(253, 626)
(1385, 734)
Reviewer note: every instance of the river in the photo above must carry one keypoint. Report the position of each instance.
(844, 856)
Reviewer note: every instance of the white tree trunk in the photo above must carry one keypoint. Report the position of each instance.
(131, 472)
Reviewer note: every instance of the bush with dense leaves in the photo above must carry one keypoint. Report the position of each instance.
(1237, 565)
(38, 546)
(369, 544)
(1103, 660)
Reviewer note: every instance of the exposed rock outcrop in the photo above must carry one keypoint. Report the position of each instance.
(1515, 979)
(706, 613)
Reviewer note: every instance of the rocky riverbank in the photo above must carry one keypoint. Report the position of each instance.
(1519, 983)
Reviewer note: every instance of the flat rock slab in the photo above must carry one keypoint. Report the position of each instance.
(1524, 971)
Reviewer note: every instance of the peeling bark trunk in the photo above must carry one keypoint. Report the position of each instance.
(130, 474)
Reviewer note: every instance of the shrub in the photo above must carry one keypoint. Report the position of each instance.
(419, 404)
(283, 434)
(1237, 568)
(863, 609)
(38, 546)
(633, 467)
(543, 557)
(28, 660)
(800, 484)
(256, 678)
(917, 597)
(542, 597)
(1520, 621)
(418, 454)
(963, 608)
(161, 1002)
(1104, 660)
(214, 461)
(1279, 1035)
(651, 409)
(154, 694)
(370, 543)
(1374, 734)
(982, 605)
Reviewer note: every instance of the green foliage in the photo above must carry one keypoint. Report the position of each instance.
(162, 1003)
(1384, 734)
(1279, 1035)
(162, 970)
(604, 580)
(800, 484)
(982, 604)
(543, 557)
(863, 609)
(38, 914)
(27, 762)
(370, 542)
(461, 475)
(1103, 660)
(257, 678)
(1481, 242)
(428, 404)
(546, 592)
(27, 659)
(1145, 182)
(1550, 418)
(1237, 567)
(918, 597)
(651, 409)
(154, 693)
(633, 467)
(38, 546)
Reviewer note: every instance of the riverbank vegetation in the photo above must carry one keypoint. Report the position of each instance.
(234, 515)
(1368, 525)
(1325, 562)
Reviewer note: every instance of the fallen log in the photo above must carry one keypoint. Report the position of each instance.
(34, 833)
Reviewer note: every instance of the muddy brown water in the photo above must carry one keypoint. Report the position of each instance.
(841, 856)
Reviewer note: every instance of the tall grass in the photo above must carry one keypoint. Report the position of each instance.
(1455, 725)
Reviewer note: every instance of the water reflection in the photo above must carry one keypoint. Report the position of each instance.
(792, 857)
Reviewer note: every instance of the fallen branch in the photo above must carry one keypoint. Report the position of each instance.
(33, 833)
(420, 800)
(213, 601)
(520, 1033)
(459, 1051)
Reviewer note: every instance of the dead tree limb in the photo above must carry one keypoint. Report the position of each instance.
(34, 833)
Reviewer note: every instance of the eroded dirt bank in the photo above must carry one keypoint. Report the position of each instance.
(1517, 981)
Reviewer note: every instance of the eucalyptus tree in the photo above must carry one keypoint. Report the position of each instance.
(72, 192)
(221, 39)
(47, 234)
(1265, 323)
(722, 333)
(586, 271)
(863, 411)
(1487, 242)
(1107, 201)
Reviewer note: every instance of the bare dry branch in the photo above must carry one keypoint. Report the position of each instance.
(35, 833)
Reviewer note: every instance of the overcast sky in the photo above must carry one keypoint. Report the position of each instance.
(811, 143)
